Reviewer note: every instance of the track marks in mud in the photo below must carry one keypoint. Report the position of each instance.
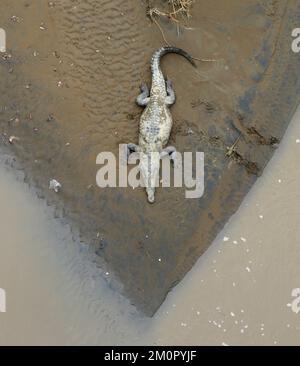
(106, 47)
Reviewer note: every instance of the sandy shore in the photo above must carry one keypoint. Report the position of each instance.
(238, 293)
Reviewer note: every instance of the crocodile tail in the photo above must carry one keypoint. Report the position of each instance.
(155, 62)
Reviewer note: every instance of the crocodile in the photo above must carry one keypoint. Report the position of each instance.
(155, 122)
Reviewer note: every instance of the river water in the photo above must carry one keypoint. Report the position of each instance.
(238, 293)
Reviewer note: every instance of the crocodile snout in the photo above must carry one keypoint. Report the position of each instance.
(150, 194)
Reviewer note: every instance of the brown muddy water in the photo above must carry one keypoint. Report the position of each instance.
(68, 85)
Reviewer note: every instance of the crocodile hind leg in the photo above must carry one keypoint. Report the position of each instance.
(171, 97)
(171, 151)
(131, 148)
(143, 99)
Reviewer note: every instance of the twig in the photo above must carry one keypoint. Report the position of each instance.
(161, 30)
(204, 60)
(177, 25)
(231, 149)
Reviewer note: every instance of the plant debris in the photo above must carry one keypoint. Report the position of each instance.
(54, 185)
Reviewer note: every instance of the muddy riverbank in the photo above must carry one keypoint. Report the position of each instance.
(68, 85)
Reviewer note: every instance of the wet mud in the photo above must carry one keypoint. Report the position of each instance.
(69, 79)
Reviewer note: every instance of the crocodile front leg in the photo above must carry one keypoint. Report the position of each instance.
(171, 151)
(143, 99)
(173, 154)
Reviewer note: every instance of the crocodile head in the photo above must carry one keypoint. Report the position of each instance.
(149, 168)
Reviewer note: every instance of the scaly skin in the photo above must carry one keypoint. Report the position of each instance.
(156, 122)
